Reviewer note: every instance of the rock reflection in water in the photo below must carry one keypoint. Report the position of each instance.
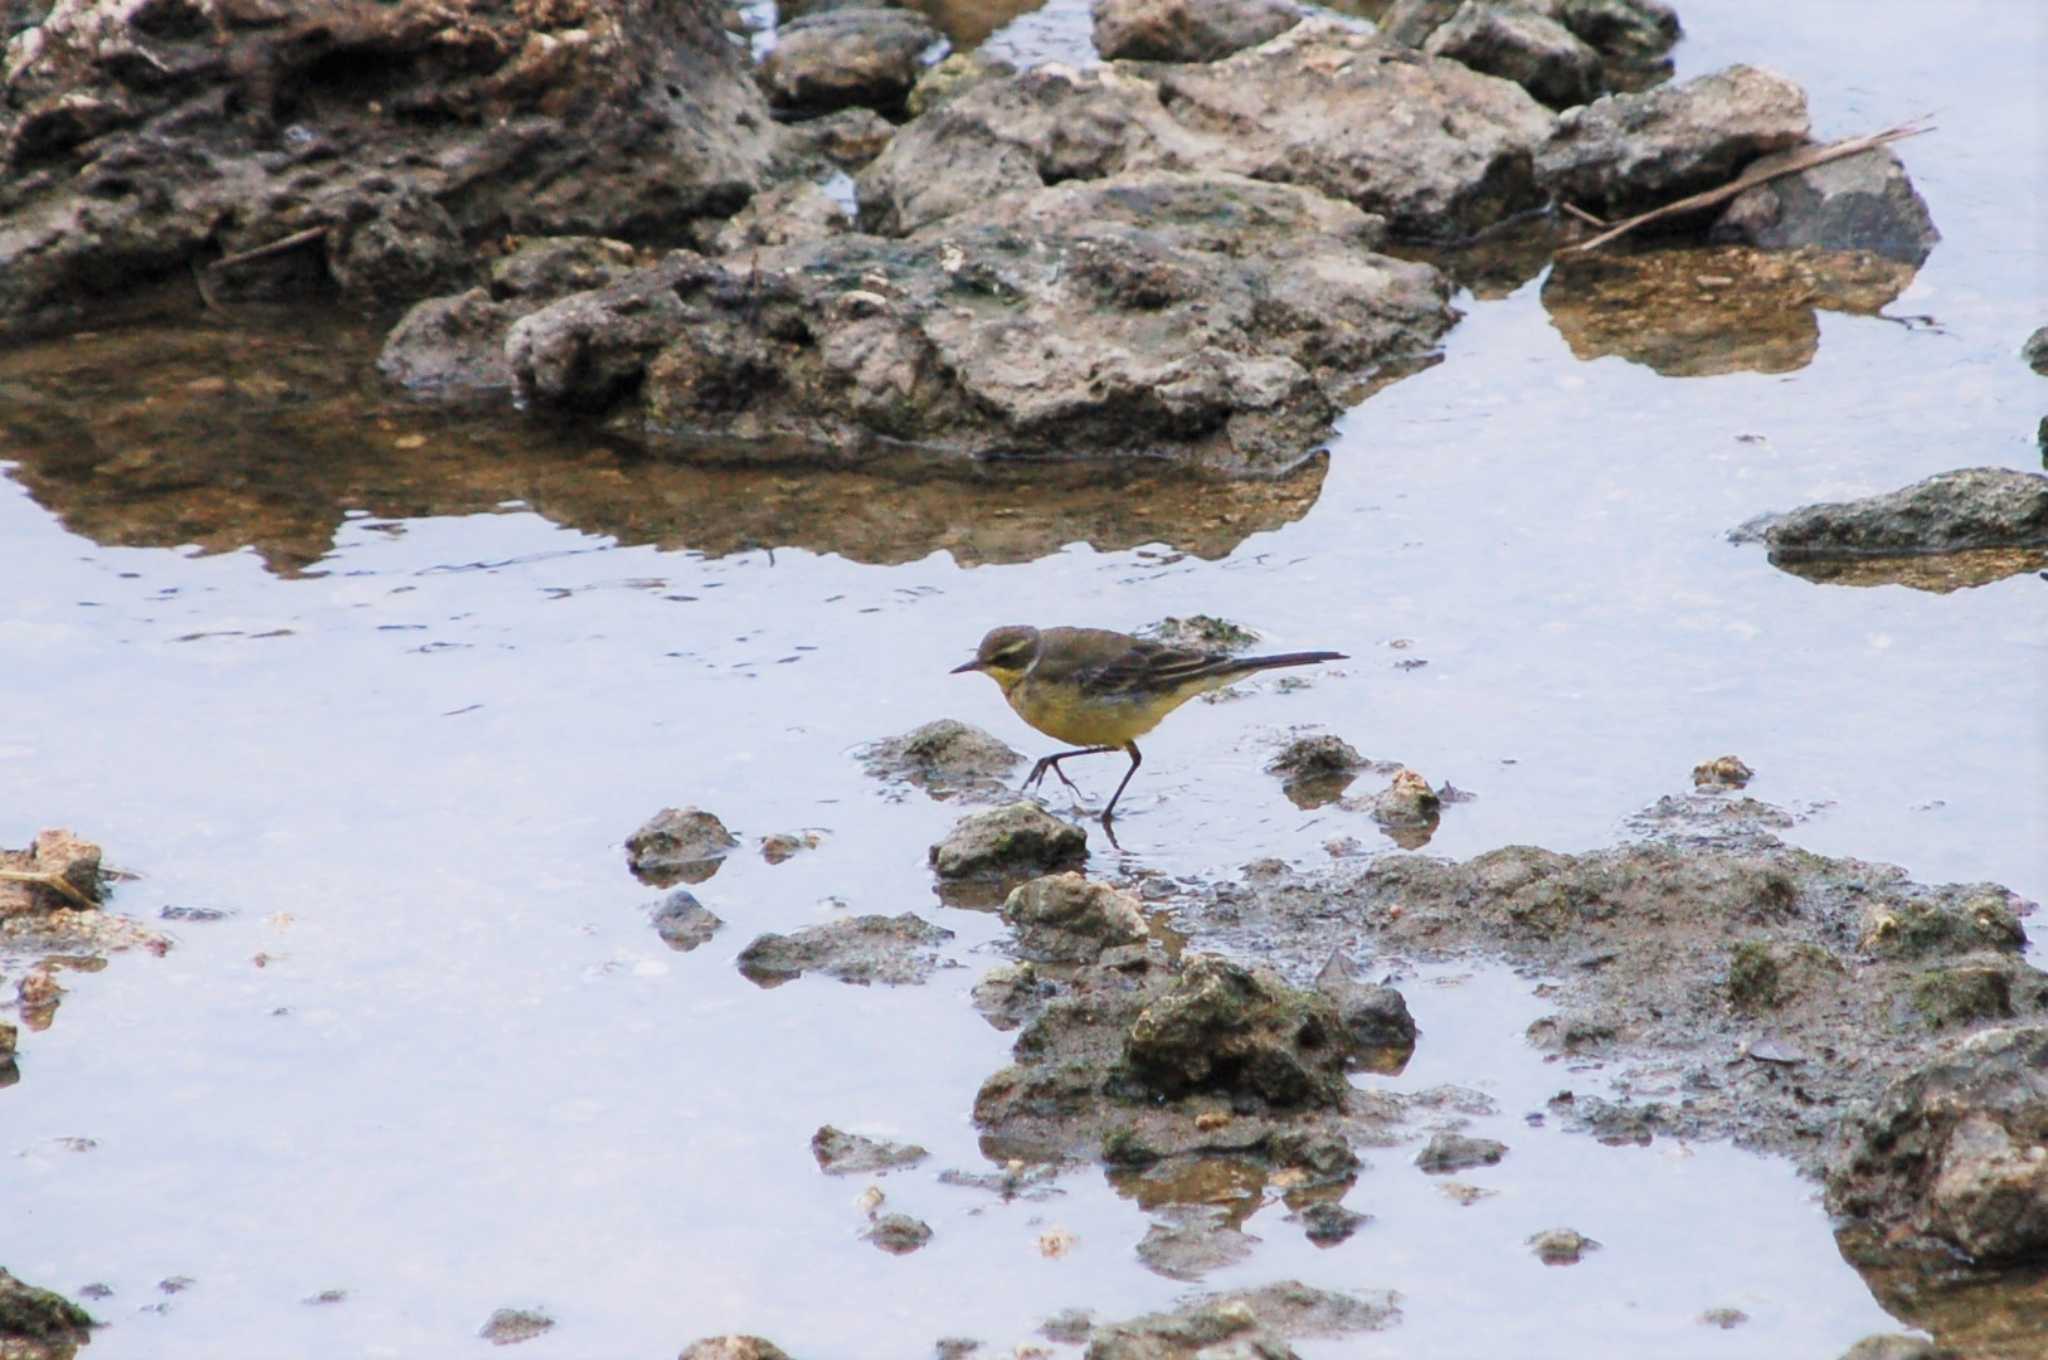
(1937, 573)
(193, 432)
(1698, 311)
(1982, 1313)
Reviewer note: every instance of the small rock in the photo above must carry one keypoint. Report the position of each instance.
(1863, 202)
(1070, 1328)
(1727, 1319)
(1465, 1195)
(1373, 1016)
(1315, 770)
(509, 1326)
(683, 922)
(957, 74)
(1194, 1240)
(1019, 838)
(1204, 632)
(847, 1154)
(1727, 772)
(733, 1347)
(1536, 52)
(892, 950)
(898, 1234)
(207, 914)
(1561, 1246)
(785, 845)
(1893, 1346)
(954, 1347)
(1456, 1152)
(2035, 351)
(1245, 1322)
(787, 213)
(848, 138)
(840, 58)
(1623, 31)
(1410, 22)
(678, 845)
(324, 1297)
(541, 269)
(946, 759)
(1064, 917)
(1187, 30)
(1330, 1222)
(1408, 802)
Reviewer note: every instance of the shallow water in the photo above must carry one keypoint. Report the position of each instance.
(391, 687)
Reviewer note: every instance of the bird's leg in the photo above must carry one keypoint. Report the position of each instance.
(1052, 762)
(1136, 761)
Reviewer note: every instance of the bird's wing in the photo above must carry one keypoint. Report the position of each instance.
(1151, 668)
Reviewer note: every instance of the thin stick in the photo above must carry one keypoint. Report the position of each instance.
(51, 881)
(1749, 179)
(1576, 211)
(277, 247)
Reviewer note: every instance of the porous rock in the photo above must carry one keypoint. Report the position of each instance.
(894, 951)
(1065, 916)
(1018, 838)
(1984, 507)
(947, 759)
(840, 1153)
(1223, 1026)
(1187, 30)
(868, 56)
(1862, 202)
(1535, 51)
(678, 845)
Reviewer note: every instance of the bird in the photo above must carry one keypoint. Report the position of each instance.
(1102, 689)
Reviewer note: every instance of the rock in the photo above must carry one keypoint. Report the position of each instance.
(1623, 31)
(1408, 804)
(2035, 351)
(678, 845)
(954, 1347)
(848, 138)
(947, 759)
(1315, 770)
(1224, 1027)
(1254, 1322)
(1066, 917)
(1203, 632)
(43, 1323)
(540, 269)
(1727, 1319)
(1373, 1017)
(1629, 151)
(898, 1234)
(783, 846)
(394, 139)
(952, 77)
(1193, 1240)
(1017, 839)
(844, 57)
(1322, 106)
(848, 1154)
(1986, 507)
(892, 950)
(1410, 22)
(585, 351)
(509, 1326)
(1330, 1222)
(1722, 772)
(1187, 30)
(1861, 202)
(451, 346)
(1561, 1246)
(1538, 53)
(1456, 1152)
(683, 922)
(1947, 997)
(1893, 1346)
(1979, 917)
(733, 1347)
(58, 872)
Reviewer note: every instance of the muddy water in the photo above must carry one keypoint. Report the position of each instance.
(389, 687)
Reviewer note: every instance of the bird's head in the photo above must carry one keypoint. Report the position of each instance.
(1005, 654)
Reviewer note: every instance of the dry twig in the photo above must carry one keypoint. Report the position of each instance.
(54, 882)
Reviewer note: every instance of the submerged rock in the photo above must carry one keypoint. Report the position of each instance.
(1187, 30)
(1561, 1246)
(847, 1154)
(898, 1234)
(895, 951)
(1986, 507)
(509, 1326)
(679, 845)
(1253, 1322)
(1630, 151)
(1456, 1152)
(683, 922)
(1018, 839)
(947, 759)
(1192, 1240)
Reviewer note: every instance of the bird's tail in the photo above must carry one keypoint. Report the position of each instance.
(1238, 665)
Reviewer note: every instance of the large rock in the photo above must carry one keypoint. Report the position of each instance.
(1628, 151)
(140, 138)
(1188, 30)
(1209, 319)
(1954, 1149)
(843, 58)
(1985, 507)
(1226, 1027)
(1536, 52)
(1438, 149)
(1064, 916)
(1861, 202)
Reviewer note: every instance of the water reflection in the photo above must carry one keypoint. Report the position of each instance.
(268, 437)
(1939, 573)
(1697, 311)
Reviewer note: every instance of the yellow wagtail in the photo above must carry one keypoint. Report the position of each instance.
(1104, 690)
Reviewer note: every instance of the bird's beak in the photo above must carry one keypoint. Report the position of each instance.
(971, 664)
